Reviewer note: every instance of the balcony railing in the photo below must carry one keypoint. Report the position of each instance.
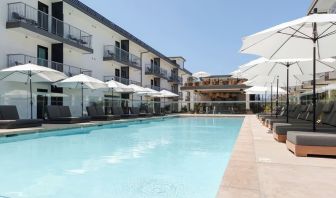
(20, 59)
(156, 70)
(124, 81)
(180, 95)
(156, 88)
(122, 56)
(175, 79)
(21, 12)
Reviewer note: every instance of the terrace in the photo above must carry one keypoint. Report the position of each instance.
(37, 23)
(19, 59)
(157, 71)
(124, 81)
(113, 53)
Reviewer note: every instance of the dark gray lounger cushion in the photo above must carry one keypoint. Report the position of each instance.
(311, 138)
(91, 111)
(9, 112)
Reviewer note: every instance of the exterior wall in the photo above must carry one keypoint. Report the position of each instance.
(15, 41)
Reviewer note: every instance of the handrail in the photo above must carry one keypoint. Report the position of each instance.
(156, 70)
(124, 81)
(123, 56)
(24, 13)
(19, 59)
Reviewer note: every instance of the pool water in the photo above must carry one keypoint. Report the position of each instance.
(169, 158)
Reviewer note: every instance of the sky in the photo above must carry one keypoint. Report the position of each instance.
(207, 33)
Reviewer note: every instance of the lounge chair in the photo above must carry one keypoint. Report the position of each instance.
(9, 119)
(62, 115)
(117, 110)
(98, 114)
(307, 143)
(136, 111)
(293, 113)
(327, 124)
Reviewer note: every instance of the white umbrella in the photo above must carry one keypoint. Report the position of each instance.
(81, 81)
(201, 74)
(31, 73)
(118, 87)
(261, 90)
(312, 36)
(165, 94)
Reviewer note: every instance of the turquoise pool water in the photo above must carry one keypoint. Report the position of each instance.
(170, 158)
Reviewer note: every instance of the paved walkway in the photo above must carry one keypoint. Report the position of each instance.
(262, 167)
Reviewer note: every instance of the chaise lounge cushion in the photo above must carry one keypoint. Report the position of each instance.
(312, 138)
(9, 119)
(62, 115)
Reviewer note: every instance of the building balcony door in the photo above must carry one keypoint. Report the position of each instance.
(42, 56)
(43, 18)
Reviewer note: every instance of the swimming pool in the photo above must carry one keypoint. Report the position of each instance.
(174, 157)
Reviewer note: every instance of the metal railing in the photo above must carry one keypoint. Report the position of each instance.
(21, 12)
(152, 69)
(124, 81)
(20, 59)
(176, 79)
(122, 56)
(156, 88)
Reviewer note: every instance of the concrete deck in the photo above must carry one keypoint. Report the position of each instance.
(261, 167)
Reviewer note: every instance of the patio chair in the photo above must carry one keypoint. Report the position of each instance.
(136, 111)
(98, 114)
(303, 143)
(9, 119)
(62, 115)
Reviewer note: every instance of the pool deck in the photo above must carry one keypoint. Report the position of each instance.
(261, 167)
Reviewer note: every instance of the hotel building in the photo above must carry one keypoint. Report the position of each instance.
(71, 37)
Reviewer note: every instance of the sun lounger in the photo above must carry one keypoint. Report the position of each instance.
(292, 113)
(136, 111)
(311, 143)
(118, 111)
(98, 114)
(9, 119)
(327, 124)
(62, 115)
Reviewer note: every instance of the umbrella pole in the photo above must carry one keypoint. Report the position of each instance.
(31, 95)
(82, 99)
(314, 76)
(287, 99)
(271, 99)
(277, 97)
(132, 100)
(265, 101)
(112, 102)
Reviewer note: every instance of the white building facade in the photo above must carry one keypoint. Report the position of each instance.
(71, 37)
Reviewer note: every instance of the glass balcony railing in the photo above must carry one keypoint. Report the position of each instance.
(156, 70)
(175, 79)
(20, 59)
(156, 88)
(122, 56)
(21, 12)
(124, 81)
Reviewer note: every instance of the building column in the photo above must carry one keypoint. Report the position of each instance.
(247, 101)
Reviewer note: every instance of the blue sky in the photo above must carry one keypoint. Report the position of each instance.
(206, 32)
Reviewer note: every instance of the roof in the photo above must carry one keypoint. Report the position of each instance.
(98, 17)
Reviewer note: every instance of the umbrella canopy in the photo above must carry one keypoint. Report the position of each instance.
(119, 87)
(262, 90)
(31, 73)
(201, 74)
(137, 89)
(81, 81)
(152, 93)
(166, 94)
(312, 36)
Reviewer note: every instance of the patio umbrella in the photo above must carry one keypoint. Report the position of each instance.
(81, 81)
(201, 74)
(165, 94)
(118, 87)
(32, 74)
(290, 70)
(312, 36)
(261, 90)
(138, 90)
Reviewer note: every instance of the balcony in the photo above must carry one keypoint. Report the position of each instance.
(175, 79)
(155, 70)
(19, 59)
(30, 20)
(114, 53)
(124, 81)
(156, 88)
(180, 97)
